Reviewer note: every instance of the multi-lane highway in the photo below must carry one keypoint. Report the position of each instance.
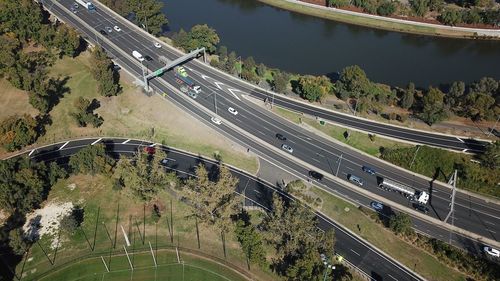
(255, 127)
(257, 192)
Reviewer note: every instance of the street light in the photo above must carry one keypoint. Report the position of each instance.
(241, 66)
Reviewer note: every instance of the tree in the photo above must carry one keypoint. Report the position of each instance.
(144, 174)
(222, 52)
(450, 16)
(24, 18)
(408, 96)
(314, 88)
(479, 106)
(491, 156)
(67, 41)
(214, 202)
(18, 131)
(353, 82)
(92, 160)
(401, 224)
(148, 13)
(230, 64)
(485, 85)
(199, 36)
(249, 63)
(17, 241)
(337, 3)
(454, 95)
(9, 48)
(387, 8)
(69, 224)
(103, 71)
(419, 7)
(84, 112)
(281, 80)
(433, 106)
(308, 266)
(251, 242)
(261, 70)
(56, 172)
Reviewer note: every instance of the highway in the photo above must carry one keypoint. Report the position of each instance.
(257, 193)
(473, 214)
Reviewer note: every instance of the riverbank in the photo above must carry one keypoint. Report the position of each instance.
(385, 23)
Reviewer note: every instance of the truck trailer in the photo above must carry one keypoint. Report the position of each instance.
(182, 77)
(87, 4)
(421, 197)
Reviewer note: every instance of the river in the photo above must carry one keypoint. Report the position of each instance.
(307, 45)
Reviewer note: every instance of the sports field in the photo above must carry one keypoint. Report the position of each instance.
(191, 267)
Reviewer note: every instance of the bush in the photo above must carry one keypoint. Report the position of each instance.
(386, 9)
(18, 131)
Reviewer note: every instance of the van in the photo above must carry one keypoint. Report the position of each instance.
(356, 180)
(137, 55)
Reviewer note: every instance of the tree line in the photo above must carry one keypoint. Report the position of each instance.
(447, 12)
(29, 45)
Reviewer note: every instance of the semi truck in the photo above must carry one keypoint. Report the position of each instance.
(183, 78)
(421, 197)
(87, 4)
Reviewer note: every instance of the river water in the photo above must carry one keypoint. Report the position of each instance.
(307, 45)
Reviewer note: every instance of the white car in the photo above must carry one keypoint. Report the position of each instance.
(117, 28)
(216, 120)
(377, 206)
(232, 111)
(491, 251)
(157, 45)
(108, 29)
(287, 148)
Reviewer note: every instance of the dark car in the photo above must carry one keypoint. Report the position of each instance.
(148, 58)
(315, 175)
(103, 32)
(281, 137)
(150, 150)
(421, 208)
(368, 170)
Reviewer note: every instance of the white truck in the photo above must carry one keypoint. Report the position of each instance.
(87, 4)
(421, 197)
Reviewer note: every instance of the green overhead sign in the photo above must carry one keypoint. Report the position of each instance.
(158, 72)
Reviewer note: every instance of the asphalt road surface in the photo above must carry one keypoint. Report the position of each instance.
(220, 92)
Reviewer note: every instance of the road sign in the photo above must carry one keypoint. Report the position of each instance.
(158, 72)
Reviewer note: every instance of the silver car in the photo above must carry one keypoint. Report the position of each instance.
(287, 148)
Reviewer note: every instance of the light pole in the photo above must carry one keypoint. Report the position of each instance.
(241, 66)
(338, 167)
(493, 129)
(215, 101)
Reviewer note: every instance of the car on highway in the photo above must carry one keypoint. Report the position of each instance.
(377, 206)
(148, 58)
(281, 137)
(164, 161)
(492, 251)
(75, 5)
(149, 150)
(216, 120)
(368, 170)
(232, 111)
(117, 28)
(420, 208)
(157, 45)
(108, 29)
(192, 94)
(315, 175)
(103, 32)
(287, 148)
(73, 10)
(356, 179)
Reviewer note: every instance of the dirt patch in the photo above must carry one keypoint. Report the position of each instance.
(46, 221)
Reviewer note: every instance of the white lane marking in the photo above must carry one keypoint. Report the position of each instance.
(316, 160)
(464, 150)
(126, 141)
(266, 128)
(291, 141)
(488, 222)
(392, 276)
(218, 85)
(236, 96)
(31, 152)
(261, 132)
(96, 141)
(202, 76)
(66, 143)
(460, 139)
(256, 191)
(355, 252)
(490, 231)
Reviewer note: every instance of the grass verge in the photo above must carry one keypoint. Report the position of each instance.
(365, 21)
(361, 141)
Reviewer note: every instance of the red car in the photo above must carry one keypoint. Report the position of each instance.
(149, 150)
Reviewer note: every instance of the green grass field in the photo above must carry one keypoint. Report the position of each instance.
(167, 268)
